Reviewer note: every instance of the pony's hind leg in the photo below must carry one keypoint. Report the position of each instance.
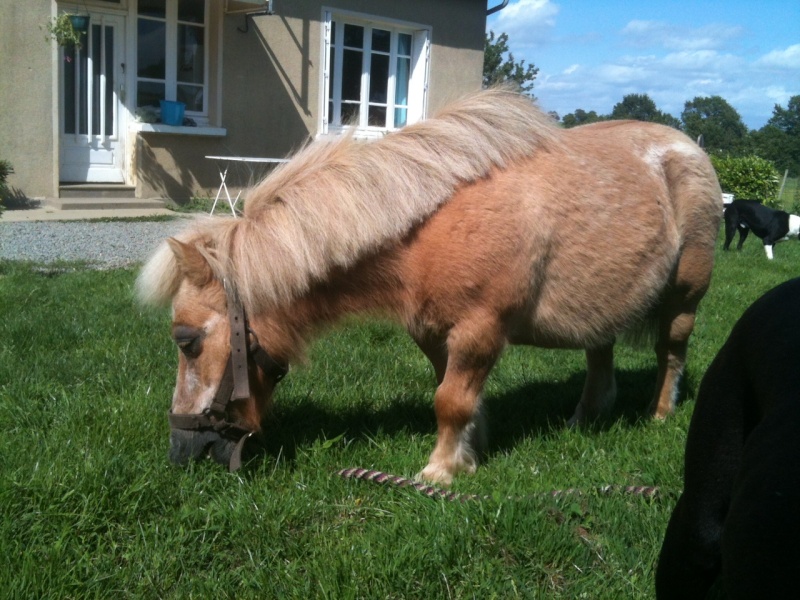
(600, 388)
(471, 354)
(675, 327)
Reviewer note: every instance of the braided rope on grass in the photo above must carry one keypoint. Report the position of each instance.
(440, 494)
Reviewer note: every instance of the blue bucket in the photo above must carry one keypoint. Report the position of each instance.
(172, 112)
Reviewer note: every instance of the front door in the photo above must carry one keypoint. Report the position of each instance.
(92, 115)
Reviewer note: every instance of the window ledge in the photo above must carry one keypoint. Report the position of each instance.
(159, 128)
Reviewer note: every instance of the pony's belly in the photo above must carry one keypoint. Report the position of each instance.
(555, 336)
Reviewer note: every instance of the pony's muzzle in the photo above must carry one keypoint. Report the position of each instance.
(186, 445)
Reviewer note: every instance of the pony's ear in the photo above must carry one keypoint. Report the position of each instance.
(191, 262)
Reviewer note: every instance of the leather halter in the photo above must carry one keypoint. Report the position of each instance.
(234, 385)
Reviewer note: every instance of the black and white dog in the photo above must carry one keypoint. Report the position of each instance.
(739, 514)
(772, 226)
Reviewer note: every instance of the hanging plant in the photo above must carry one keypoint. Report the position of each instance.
(67, 30)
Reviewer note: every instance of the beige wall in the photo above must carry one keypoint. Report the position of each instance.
(27, 96)
(268, 95)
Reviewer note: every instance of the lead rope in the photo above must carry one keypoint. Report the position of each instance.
(438, 493)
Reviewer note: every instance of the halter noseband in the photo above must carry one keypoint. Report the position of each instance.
(234, 385)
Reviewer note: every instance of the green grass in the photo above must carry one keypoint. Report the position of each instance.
(90, 507)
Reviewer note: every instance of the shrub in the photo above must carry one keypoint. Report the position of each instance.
(5, 169)
(748, 177)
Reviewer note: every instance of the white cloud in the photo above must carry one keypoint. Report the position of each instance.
(785, 59)
(527, 22)
(647, 34)
(571, 69)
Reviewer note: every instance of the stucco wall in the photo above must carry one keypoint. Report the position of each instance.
(27, 96)
(267, 97)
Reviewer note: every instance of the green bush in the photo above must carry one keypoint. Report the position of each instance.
(5, 169)
(748, 177)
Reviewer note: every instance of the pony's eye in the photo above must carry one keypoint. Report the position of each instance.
(189, 340)
(191, 347)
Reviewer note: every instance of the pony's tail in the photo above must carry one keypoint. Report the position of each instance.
(642, 335)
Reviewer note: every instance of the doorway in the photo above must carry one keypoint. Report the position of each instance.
(92, 114)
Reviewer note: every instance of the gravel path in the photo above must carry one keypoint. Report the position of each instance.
(104, 245)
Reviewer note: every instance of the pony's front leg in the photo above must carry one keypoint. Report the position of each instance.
(461, 432)
(600, 387)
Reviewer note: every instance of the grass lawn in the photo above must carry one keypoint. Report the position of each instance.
(90, 507)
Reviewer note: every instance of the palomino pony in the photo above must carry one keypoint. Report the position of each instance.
(484, 226)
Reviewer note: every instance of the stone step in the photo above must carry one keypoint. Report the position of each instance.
(93, 203)
(96, 190)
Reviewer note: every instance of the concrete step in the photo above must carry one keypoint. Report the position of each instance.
(96, 190)
(92, 203)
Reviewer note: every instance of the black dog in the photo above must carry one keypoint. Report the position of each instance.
(739, 514)
(772, 226)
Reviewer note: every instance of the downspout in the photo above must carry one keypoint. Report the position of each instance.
(497, 8)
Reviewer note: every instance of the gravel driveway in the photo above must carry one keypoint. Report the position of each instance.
(105, 245)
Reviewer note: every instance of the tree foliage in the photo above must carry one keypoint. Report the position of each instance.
(581, 117)
(718, 122)
(641, 107)
(499, 66)
(779, 139)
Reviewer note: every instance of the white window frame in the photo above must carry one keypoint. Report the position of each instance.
(171, 82)
(418, 75)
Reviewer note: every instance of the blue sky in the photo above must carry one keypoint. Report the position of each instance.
(590, 54)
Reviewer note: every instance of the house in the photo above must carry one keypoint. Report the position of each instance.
(257, 78)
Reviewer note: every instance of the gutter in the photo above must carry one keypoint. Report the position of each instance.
(497, 8)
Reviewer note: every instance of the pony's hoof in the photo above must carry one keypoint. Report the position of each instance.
(436, 474)
(661, 413)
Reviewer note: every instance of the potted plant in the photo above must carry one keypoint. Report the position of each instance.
(68, 29)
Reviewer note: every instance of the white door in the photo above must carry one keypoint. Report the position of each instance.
(92, 132)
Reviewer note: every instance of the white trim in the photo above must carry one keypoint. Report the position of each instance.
(418, 75)
(171, 83)
(175, 130)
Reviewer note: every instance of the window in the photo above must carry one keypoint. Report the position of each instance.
(171, 52)
(376, 74)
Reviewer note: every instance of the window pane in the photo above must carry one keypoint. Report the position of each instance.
(377, 116)
(350, 114)
(96, 71)
(331, 68)
(149, 93)
(351, 75)
(191, 10)
(381, 40)
(151, 49)
(109, 43)
(192, 96)
(404, 44)
(69, 64)
(401, 81)
(400, 117)
(153, 8)
(353, 36)
(379, 78)
(190, 53)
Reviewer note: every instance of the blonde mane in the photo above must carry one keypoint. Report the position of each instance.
(336, 202)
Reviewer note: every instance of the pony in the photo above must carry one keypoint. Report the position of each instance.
(483, 226)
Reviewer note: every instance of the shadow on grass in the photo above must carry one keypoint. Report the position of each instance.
(530, 410)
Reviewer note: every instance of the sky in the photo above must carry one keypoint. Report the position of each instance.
(592, 53)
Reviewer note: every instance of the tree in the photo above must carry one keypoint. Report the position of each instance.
(718, 122)
(642, 108)
(779, 139)
(581, 117)
(501, 69)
